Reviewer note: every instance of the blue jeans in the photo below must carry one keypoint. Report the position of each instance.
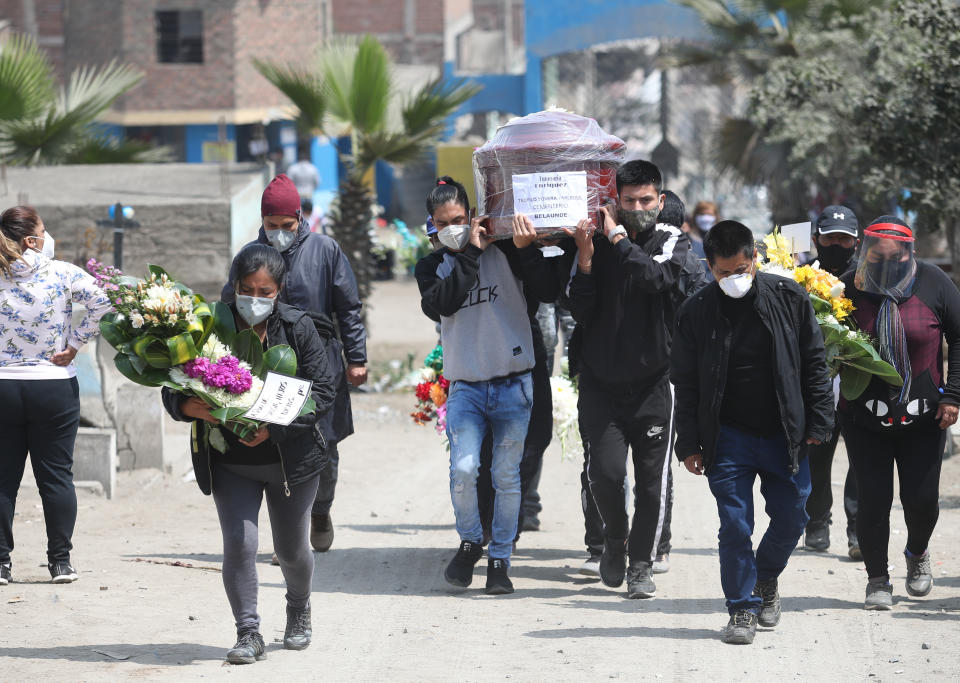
(739, 459)
(503, 406)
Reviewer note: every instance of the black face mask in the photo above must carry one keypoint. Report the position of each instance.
(835, 258)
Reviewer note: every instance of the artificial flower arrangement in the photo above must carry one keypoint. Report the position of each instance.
(851, 353)
(566, 415)
(167, 336)
(431, 392)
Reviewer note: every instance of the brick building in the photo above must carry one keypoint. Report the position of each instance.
(43, 19)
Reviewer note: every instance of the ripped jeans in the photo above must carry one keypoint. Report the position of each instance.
(503, 405)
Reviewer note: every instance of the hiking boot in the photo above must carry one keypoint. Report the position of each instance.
(613, 562)
(770, 607)
(853, 550)
(879, 594)
(592, 566)
(62, 572)
(460, 570)
(741, 628)
(298, 632)
(249, 649)
(662, 564)
(321, 532)
(817, 540)
(498, 583)
(6, 576)
(530, 523)
(640, 580)
(919, 575)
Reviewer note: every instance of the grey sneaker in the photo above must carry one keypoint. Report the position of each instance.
(640, 580)
(62, 572)
(741, 628)
(662, 564)
(298, 632)
(592, 566)
(770, 607)
(919, 575)
(879, 594)
(853, 550)
(249, 649)
(817, 540)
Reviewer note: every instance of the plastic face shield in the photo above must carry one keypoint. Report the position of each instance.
(887, 265)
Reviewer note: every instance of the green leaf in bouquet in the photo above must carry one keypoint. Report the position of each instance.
(853, 382)
(136, 361)
(227, 414)
(150, 377)
(153, 350)
(216, 439)
(820, 305)
(247, 347)
(832, 334)
(224, 325)
(158, 271)
(308, 406)
(128, 281)
(880, 368)
(181, 349)
(279, 358)
(112, 333)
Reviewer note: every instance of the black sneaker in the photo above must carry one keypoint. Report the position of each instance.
(498, 583)
(531, 522)
(6, 575)
(919, 575)
(613, 562)
(879, 595)
(817, 540)
(460, 570)
(741, 628)
(62, 572)
(298, 632)
(770, 607)
(640, 580)
(321, 532)
(249, 649)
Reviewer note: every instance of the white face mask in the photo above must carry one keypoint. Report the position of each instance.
(254, 309)
(281, 239)
(454, 237)
(48, 245)
(705, 221)
(736, 286)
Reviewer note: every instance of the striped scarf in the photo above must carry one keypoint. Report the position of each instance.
(893, 343)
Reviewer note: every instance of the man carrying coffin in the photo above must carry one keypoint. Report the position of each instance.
(476, 288)
(620, 293)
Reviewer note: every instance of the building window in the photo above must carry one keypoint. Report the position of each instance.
(180, 37)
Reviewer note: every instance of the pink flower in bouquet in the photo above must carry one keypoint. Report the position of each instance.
(226, 373)
(198, 367)
(441, 425)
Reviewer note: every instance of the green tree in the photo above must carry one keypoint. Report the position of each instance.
(348, 91)
(41, 124)
(746, 37)
(880, 108)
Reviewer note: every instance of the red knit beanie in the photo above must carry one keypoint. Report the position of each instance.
(280, 198)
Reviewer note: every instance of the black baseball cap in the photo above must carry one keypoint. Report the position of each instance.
(837, 219)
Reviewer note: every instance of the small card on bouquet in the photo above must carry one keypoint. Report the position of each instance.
(280, 400)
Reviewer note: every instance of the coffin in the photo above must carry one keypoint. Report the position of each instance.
(547, 142)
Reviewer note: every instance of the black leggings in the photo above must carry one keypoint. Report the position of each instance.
(918, 455)
(40, 416)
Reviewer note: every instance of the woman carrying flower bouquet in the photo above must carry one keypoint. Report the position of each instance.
(910, 307)
(39, 394)
(283, 463)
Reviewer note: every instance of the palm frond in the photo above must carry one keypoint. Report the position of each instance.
(103, 149)
(90, 91)
(335, 63)
(303, 87)
(392, 147)
(26, 78)
(370, 87)
(434, 102)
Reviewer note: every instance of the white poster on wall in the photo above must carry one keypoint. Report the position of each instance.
(551, 200)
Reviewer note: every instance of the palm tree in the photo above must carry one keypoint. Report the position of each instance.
(40, 124)
(746, 36)
(348, 91)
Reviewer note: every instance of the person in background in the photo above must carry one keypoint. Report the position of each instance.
(910, 307)
(704, 217)
(304, 174)
(835, 236)
(39, 393)
(281, 463)
(319, 280)
(753, 391)
(313, 218)
(621, 295)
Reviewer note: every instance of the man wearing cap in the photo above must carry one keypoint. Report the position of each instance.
(320, 281)
(836, 236)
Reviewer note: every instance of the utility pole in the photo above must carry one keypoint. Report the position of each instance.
(120, 219)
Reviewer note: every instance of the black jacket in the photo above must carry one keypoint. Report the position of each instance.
(698, 367)
(625, 306)
(302, 444)
(320, 281)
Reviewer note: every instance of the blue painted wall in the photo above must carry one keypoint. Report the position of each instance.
(196, 135)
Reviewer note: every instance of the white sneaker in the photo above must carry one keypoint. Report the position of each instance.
(592, 566)
(662, 564)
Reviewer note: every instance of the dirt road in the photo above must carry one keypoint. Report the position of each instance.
(382, 609)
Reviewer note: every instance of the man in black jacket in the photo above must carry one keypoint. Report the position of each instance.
(320, 281)
(752, 391)
(620, 294)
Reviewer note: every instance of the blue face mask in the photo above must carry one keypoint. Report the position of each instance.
(254, 309)
(281, 239)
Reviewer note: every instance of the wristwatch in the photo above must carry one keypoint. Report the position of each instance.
(619, 230)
